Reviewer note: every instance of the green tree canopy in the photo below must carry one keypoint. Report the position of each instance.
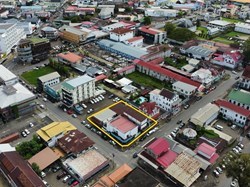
(36, 168)
(169, 27)
(182, 34)
(239, 168)
(246, 50)
(147, 20)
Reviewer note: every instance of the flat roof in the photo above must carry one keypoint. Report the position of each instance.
(184, 86)
(49, 76)
(6, 74)
(88, 162)
(19, 95)
(220, 22)
(105, 114)
(73, 83)
(44, 158)
(36, 40)
(240, 96)
(122, 124)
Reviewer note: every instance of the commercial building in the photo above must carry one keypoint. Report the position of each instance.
(203, 76)
(55, 130)
(33, 50)
(159, 12)
(15, 99)
(10, 35)
(245, 78)
(242, 27)
(231, 59)
(44, 158)
(184, 89)
(25, 25)
(136, 41)
(205, 115)
(240, 98)
(199, 52)
(220, 24)
(121, 34)
(69, 58)
(77, 90)
(86, 165)
(75, 10)
(48, 80)
(152, 35)
(166, 100)
(16, 170)
(238, 115)
(50, 33)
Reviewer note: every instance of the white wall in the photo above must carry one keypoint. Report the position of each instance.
(233, 116)
(121, 37)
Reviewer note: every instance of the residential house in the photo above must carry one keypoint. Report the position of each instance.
(55, 130)
(48, 80)
(121, 34)
(245, 78)
(69, 58)
(17, 171)
(166, 100)
(150, 109)
(231, 59)
(238, 115)
(242, 27)
(184, 89)
(205, 115)
(10, 35)
(203, 76)
(136, 41)
(77, 90)
(240, 98)
(220, 24)
(207, 152)
(152, 35)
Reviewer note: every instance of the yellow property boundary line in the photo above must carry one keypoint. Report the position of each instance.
(112, 138)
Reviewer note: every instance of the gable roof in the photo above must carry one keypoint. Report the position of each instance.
(233, 107)
(121, 30)
(120, 173)
(206, 149)
(159, 146)
(18, 170)
(54, 129)
(71, 57)
(246, 72)
(166, 93)
(148, 107)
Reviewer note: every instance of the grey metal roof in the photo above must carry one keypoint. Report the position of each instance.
(71, 84)
(49, 76)
(5, 26)
(48, 29)
(129, 50)
(199, 50)
(184, 86)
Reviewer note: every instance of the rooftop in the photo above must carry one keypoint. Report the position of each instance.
(71, 57)
(167, 94)
(5, 26)
(6, 74)
(149, 30)
(73, 83)
(49, 77)
(54, 129)
(121, 30)
(246, 72)
(73, 30)
(240, 96)
(74, 142)
(206, 149)
(120, 173)
(105, 114)
(184, 86)
(135, 38)
(220, 22)
(122, 124)
(233, 107)
(36, 40)
(49, 29)
(159, 146)
(86, 163)
(199, 50)
(185, 169)
(44, 158)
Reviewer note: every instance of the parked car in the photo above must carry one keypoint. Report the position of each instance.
(27, 131)
(88, 126)
(71, 181)
(235, 151)
(83, 122)
(93, 129)
(180, 121)
(233, 127)
(176, 130)
(219, 170)
(61, 175)
(241, 145)
(74, 115)
(198, 98)
(42, 106)
(66, 178)
(216, 174)
(110, 96)
(181, 125)
(45, 99)
(75, 183)
(112, 142)
(23, 134)
(70, 112)
(56, 168)
(31, 124)
(234, 183)
(238, 148)
(135, 155)
(186, 106)
(42, 174)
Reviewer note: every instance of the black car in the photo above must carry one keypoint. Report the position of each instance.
(181, 125)
(198, 98)
(56, 168)
(179, 122)
(135, 155)
(61, 175)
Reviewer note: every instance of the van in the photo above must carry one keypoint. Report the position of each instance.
(218, 127)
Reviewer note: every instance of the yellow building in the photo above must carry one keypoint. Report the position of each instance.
(50, 133)
(73, 34)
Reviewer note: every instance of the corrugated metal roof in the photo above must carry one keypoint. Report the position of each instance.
(49, 76)
(240, 96)
(73, 83)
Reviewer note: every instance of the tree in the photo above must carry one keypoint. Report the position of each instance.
(198, 23)
(128, 9)
(239, 168)
(246, 50)
(169, 27)
(147, 20)
(36, 168)
(182, 34)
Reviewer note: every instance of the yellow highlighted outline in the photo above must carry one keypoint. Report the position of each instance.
(112, 138)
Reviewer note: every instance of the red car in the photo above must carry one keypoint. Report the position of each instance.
(70, 112)
(75, 183)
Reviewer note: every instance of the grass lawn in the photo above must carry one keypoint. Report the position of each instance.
(147, 81)
(31, 76)
(233, 34)
(231, 20)
(202, 29)
(223, 40)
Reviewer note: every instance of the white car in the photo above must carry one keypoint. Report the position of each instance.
(92, 102)
(42, 106)
(45, 99)
(97, 99)
(31, 124)
(235, 151)
(233, 127)
(102, 96)
(84, 106)
(27, 131)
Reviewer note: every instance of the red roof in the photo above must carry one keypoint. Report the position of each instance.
(121, 30)
(135, 38)
(148, 107)
(206, 149)
(122, 124)
(149, 30)
(246, 72)
(235, 55)
(71, 57)
(100, 77)
(166, 159)
(126, 68)
(156, 60)
(233, 107)
(159, 146)
(168, 73)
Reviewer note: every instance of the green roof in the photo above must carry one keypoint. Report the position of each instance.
(36, 40)
(240, 96)
(67, 86)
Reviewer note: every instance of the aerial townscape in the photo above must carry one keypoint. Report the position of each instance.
(124, 93)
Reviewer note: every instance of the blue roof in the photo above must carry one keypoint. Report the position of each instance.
(129, 50)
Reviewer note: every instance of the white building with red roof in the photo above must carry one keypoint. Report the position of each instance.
(136, 41)
(238, 115)
(121, 34)
(245, 78)
(150, 109)
(152, 35)
(208, 152)
(230, 59)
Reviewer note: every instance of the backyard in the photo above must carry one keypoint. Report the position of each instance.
(231, 20)
(147, 81)
(31, 76)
